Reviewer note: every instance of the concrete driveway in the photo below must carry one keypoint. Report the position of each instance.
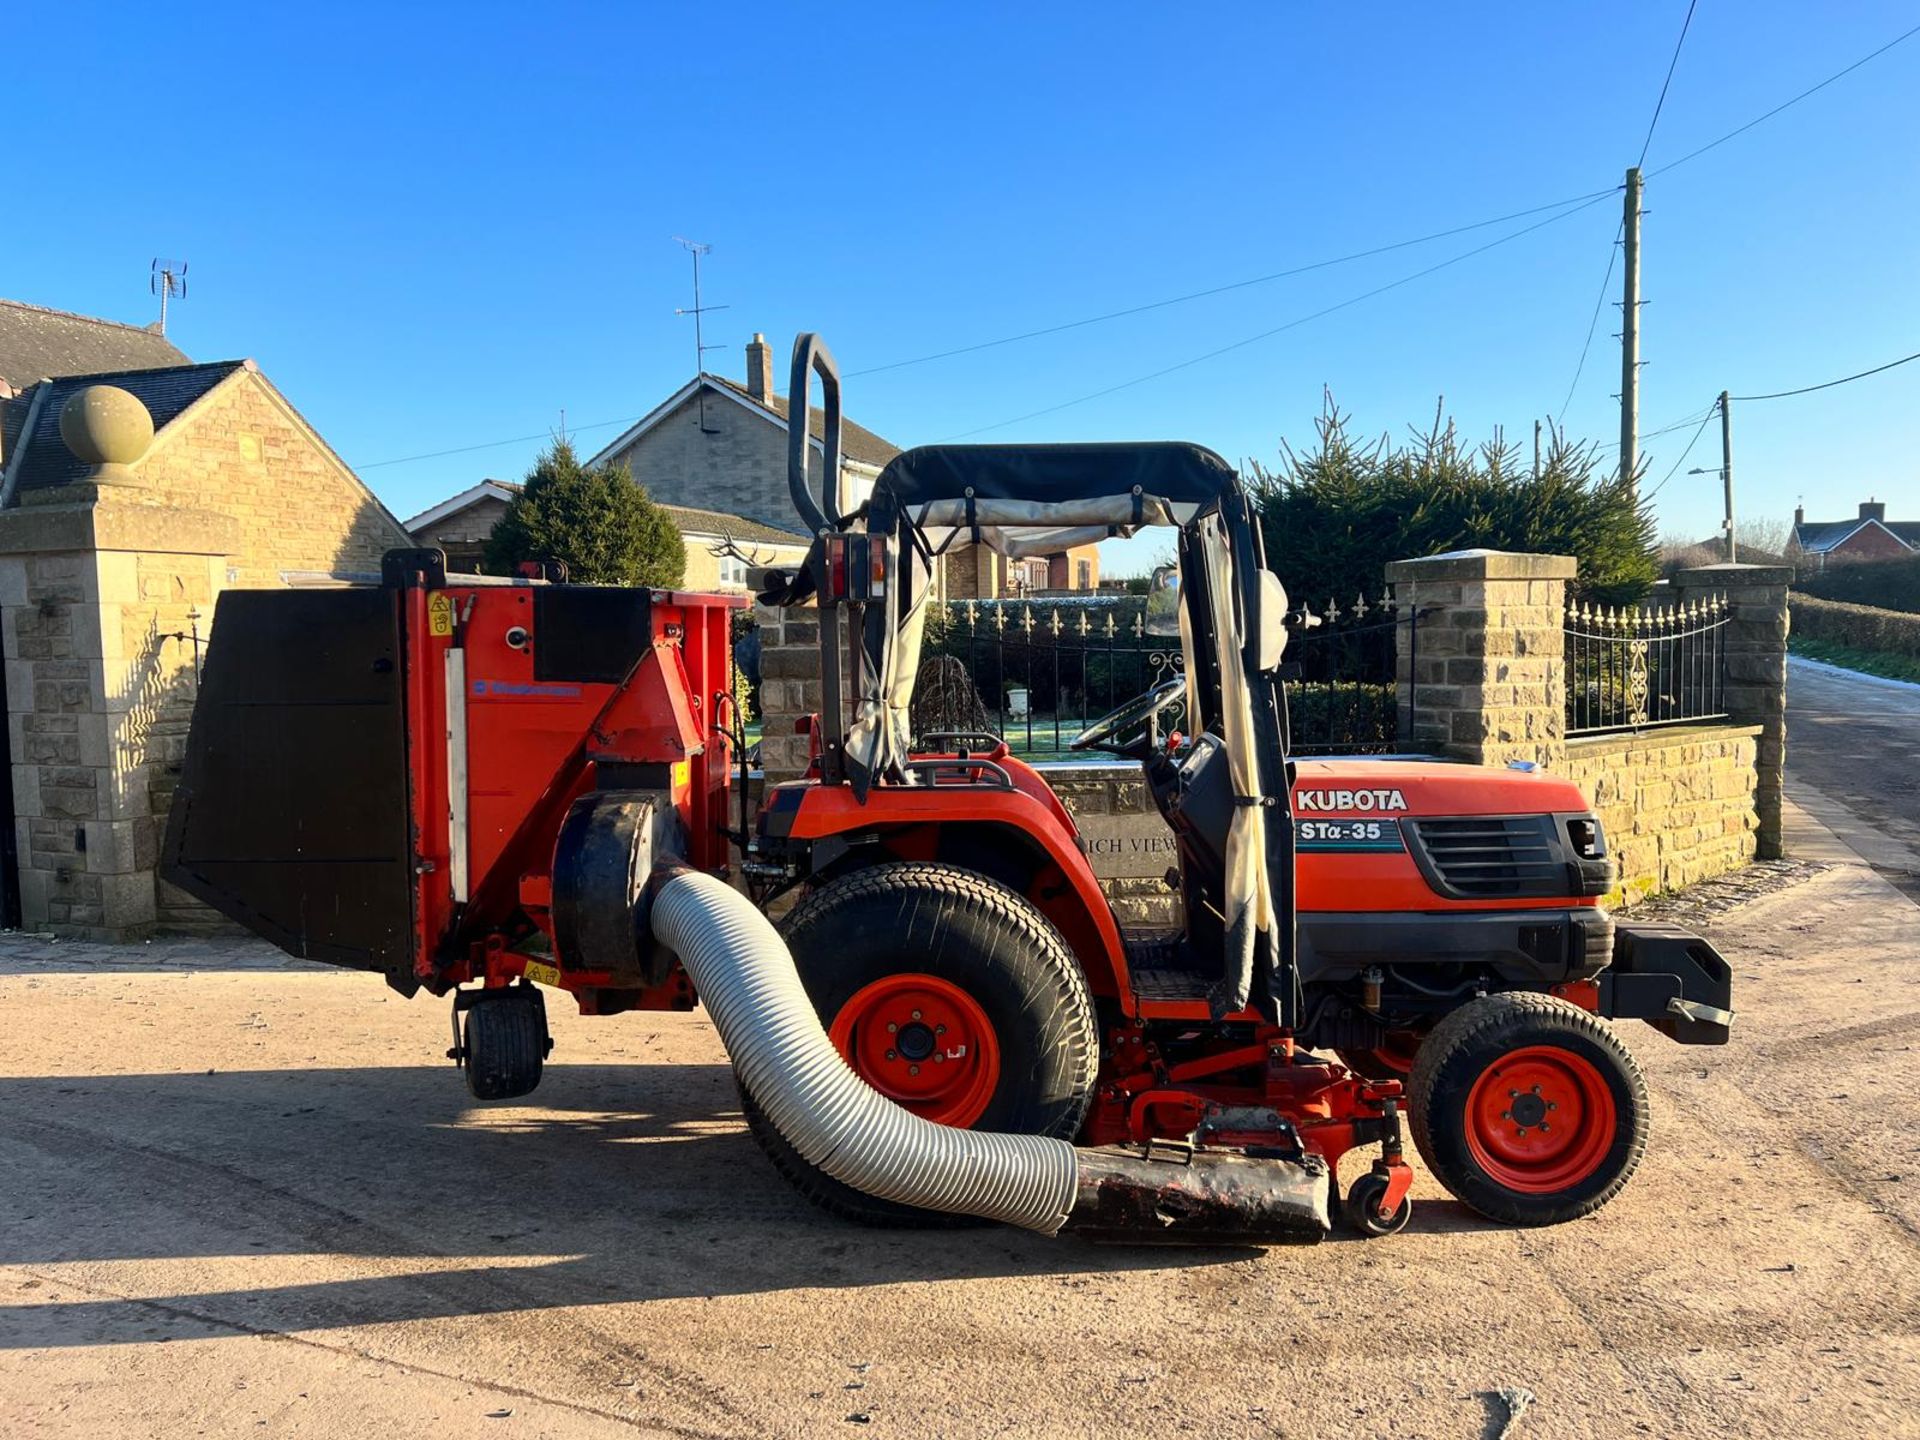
(248, 1197)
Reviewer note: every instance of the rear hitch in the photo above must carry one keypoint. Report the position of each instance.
(1169, 1193)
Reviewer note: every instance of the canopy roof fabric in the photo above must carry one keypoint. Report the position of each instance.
(1056, 474)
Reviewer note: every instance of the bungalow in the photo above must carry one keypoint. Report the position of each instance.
(1868, 536)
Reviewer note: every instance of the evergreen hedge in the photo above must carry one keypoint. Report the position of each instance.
(1858, 627)
(1889, 584)
(599, 521)
(1334, 517)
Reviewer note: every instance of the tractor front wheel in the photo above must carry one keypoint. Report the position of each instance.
(952, 996)
(1528, 1108)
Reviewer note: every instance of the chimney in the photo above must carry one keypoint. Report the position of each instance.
(1874, 510)
(1799, 516)
(760, 368)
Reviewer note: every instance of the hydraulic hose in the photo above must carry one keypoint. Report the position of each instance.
(745, 976)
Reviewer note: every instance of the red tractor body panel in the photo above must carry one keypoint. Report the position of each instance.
(1363, 801)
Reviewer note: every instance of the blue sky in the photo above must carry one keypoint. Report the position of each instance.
(437, 226)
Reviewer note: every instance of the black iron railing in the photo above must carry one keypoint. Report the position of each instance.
(1633, 668)
(1039, 672)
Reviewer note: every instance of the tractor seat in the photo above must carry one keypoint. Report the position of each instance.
(1200, 810)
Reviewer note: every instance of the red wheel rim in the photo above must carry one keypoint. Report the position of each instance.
(1540, 1120)
(923, 1042)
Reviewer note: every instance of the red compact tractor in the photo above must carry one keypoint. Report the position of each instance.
(485, 787)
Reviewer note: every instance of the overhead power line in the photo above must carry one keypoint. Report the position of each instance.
(1231, 286)
(1785, 105)
(1829, 384)
(1599, 304)
(1661, 103)
(1580, 201)
(1613, 251)
(493, 444)
(1294, 323)
(1694, 440)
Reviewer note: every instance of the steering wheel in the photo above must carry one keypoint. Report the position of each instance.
(1143, 710)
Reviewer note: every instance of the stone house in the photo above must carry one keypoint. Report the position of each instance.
(719, 546)
(1868, 536)
(717, 442)
(128, 500)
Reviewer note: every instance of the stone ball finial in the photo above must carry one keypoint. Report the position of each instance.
(106, 426)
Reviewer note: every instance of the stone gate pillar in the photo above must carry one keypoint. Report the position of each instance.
(102, 591)
(1756, 650)
(1484, 676)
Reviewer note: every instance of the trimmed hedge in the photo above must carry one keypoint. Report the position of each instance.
(1892, 584)
(1858, 627)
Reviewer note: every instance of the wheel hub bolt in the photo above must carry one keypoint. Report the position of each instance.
(913, 1070)
(892, 1029)
(892, 1055)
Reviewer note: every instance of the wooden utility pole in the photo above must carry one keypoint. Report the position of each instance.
(1726, 470)
(1630, 339)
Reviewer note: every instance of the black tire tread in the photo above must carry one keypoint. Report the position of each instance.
(514, 1031)
(1471, 1025)
(975, 894)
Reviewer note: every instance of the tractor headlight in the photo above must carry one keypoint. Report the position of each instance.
(1589, 841)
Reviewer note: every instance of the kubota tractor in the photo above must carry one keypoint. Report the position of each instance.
(485, 787)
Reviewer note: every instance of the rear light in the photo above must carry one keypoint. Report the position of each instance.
(836, 577)
(854, 569)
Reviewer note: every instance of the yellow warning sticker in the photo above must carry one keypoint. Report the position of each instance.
(440, 614)
(541, 973)
(682, 774)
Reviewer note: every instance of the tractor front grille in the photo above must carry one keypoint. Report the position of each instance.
(1485, 857)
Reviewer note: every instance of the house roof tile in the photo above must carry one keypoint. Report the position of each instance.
(735, 527)
(857, 442)
(1817, 537)
(37, 343)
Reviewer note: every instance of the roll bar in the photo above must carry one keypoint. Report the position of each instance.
(811, 356)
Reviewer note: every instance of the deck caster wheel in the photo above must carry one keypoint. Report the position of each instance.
(504, 1042)
(1363, 1207)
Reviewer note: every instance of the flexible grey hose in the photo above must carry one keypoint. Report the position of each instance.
(745, 976)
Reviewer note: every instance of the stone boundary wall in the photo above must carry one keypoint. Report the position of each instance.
(1127, 842)
(1677, 805)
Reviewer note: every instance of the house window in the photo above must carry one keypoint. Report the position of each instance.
(1083, 575)
(733, 571)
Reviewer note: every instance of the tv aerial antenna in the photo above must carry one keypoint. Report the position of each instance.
(168, 280)
(698, 309)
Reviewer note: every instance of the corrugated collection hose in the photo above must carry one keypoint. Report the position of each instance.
(745, 977)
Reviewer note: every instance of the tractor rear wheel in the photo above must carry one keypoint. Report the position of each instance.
(952, 996)
(1528, 1108)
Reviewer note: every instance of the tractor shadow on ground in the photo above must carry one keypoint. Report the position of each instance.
(286, 1200)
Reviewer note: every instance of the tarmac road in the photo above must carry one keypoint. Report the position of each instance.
(1853, 760)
